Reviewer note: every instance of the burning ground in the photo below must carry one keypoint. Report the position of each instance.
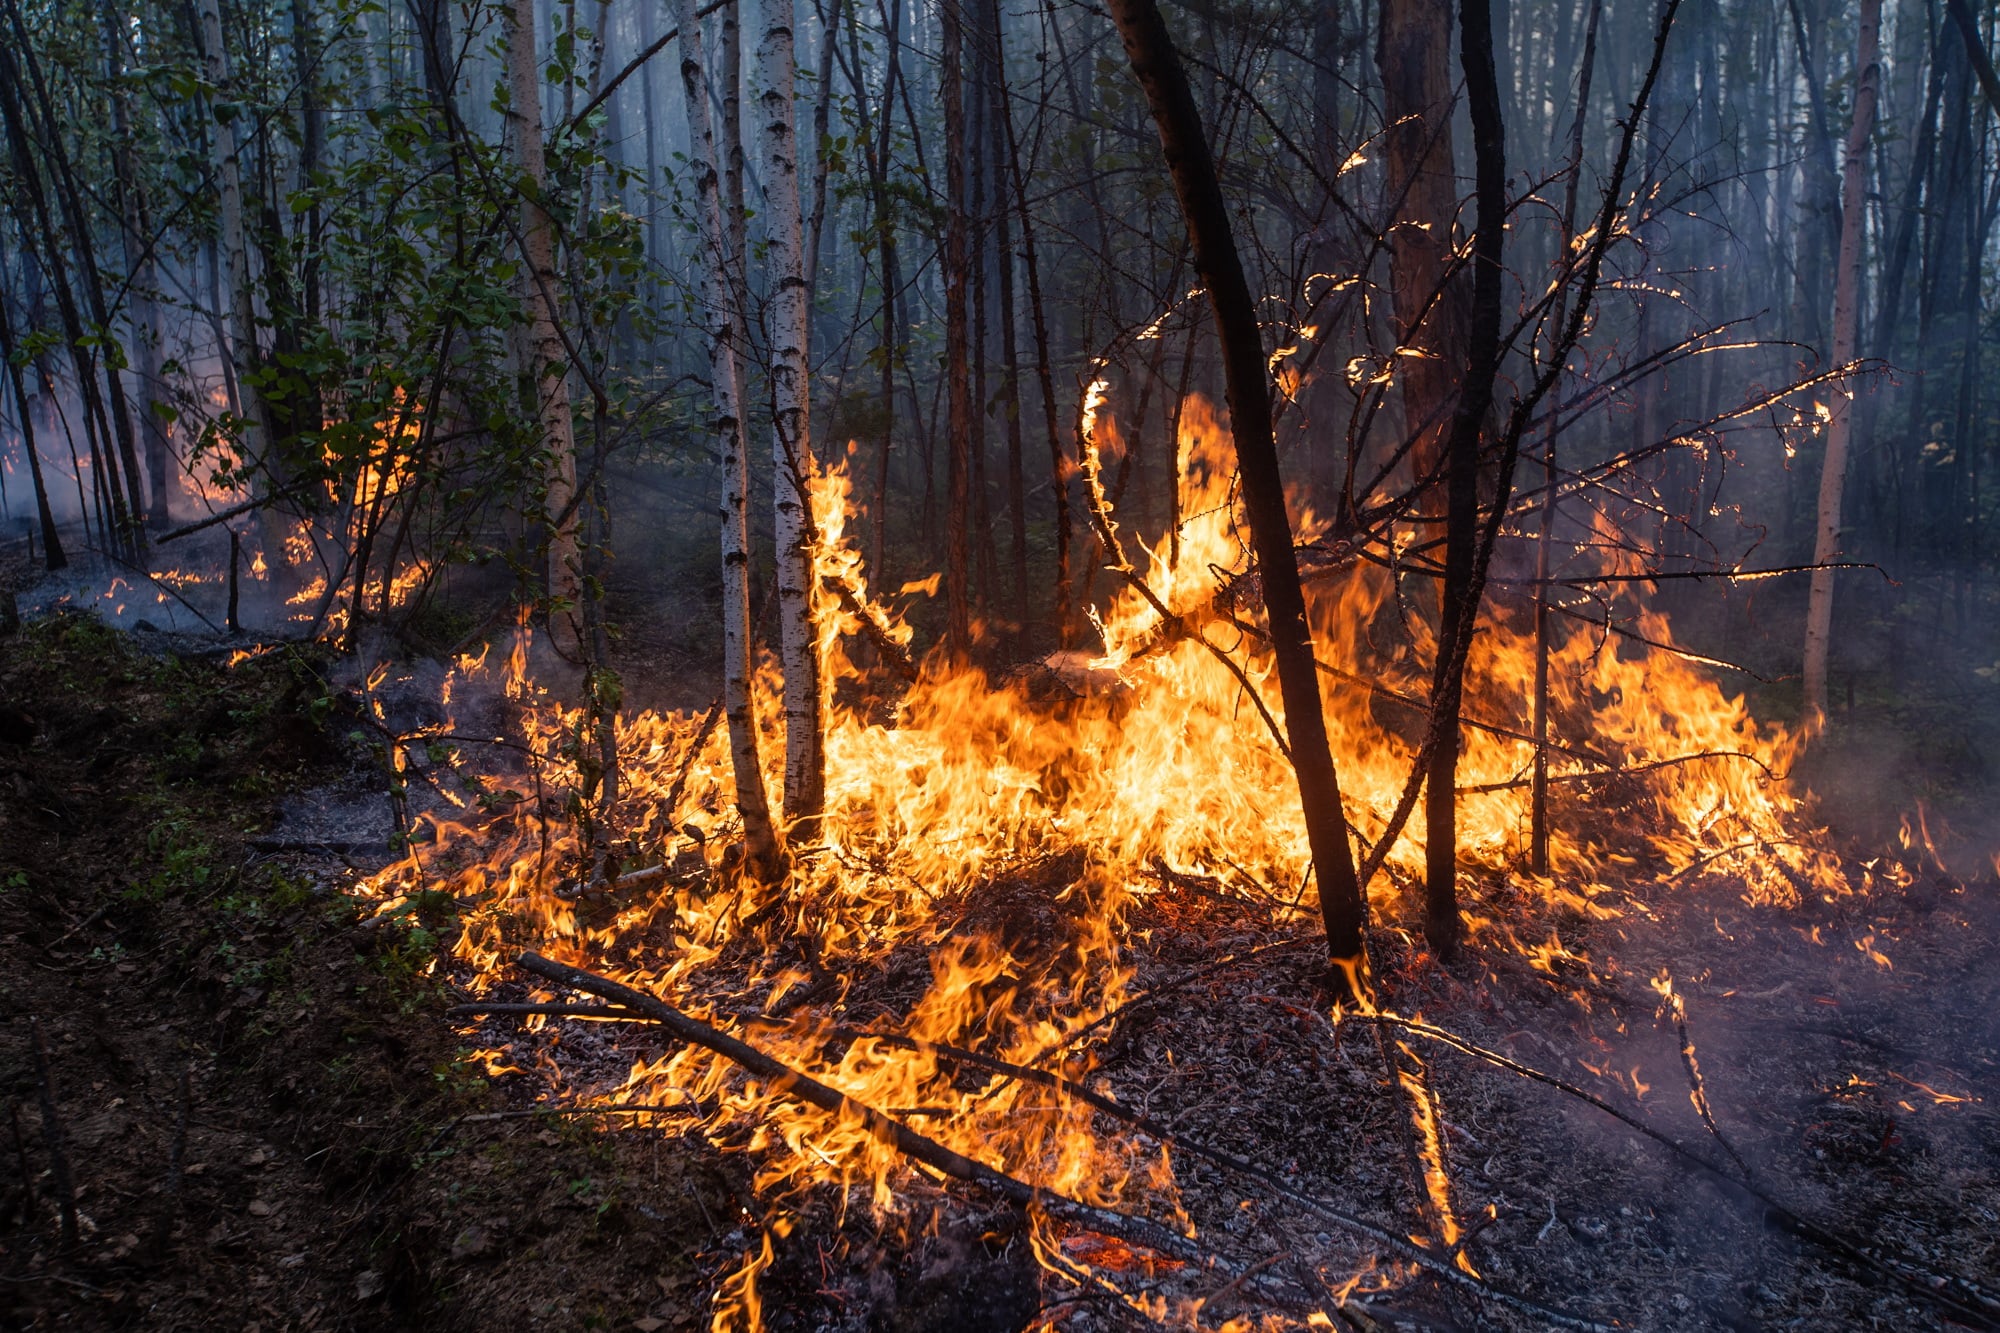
(353, 1000)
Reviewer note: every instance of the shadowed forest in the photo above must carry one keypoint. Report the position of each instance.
(925, 667)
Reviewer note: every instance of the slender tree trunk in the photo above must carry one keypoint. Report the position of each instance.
(829, 42)
(733, 212)
(1157, 66)
(38, 231)
(792, 456)
(1413, 57)
(875, 156)
(1538, 801)
(548, 360)
(1060, 468)
(141, 319)
(53, 557)
(958, 429)
(649, 104)
(1846, 326)
(1822, 196)
(975, 149)
(1975, 49)
(312, 144)
(1010, 359)
(722, 324)
(1460, 607)
(126, 487)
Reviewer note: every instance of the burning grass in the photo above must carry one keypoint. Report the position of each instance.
(998, 868)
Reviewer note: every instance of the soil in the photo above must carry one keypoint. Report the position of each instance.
(263, 1119)
(267, 1120)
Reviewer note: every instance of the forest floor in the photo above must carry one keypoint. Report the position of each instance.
(267, 1121)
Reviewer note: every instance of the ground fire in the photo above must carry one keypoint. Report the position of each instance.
(1013, 668)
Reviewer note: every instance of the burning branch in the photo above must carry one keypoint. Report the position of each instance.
(782, 1078)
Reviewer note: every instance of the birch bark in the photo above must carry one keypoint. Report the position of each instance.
(548, 362)
(726, 380)
(791, 393)
(1846, 325)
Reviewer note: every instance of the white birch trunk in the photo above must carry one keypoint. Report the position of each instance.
(1846, 324)
(548, 361)
(725, 375)
(241, 319)
(791, 393)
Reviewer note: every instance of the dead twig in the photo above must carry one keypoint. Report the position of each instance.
(555, 1010)
(1631, 770)
(1697, 1089)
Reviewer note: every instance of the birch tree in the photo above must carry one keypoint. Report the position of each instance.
(726, 387)
(791, 393)
(1846, 326)
(548, 362)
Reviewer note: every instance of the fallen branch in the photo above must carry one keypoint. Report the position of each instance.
(931, 1153)
(553, 1010)
(1697, 1088)
(1632, 770)
(784, 1079)
(234, 511)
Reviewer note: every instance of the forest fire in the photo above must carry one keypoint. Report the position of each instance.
(1151, 787)
(976, 668)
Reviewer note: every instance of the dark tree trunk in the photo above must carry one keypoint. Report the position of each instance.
(39, 236)
(52, 548)
(1413, 57)
(958, 428)
(1460, 608)
(1157, 66)
(1010, 358)
(122, 475)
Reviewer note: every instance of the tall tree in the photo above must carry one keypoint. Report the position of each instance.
(238, 292)
(957, 350)
(792, 456)
(53, 557)
(721, 327)
(1413, 58)
(1246, 368)
(1459, 607)
(548, 359)
(1846, 340)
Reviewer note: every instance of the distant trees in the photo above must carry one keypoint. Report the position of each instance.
(431, 288)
